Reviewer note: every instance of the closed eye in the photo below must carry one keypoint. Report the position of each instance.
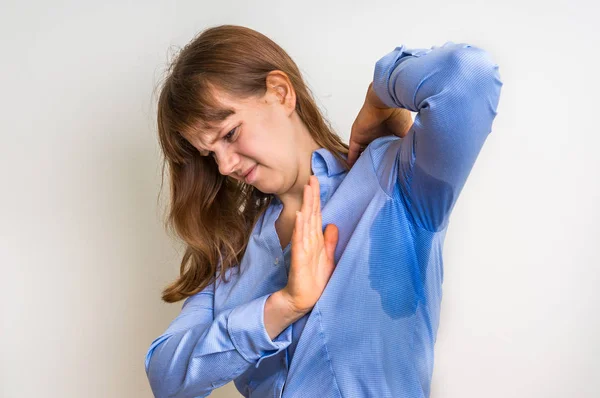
(229, 135)
(226, 137)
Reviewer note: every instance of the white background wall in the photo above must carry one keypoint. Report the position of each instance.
(83, 253)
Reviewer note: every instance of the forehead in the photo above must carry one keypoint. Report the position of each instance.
(223, 108)
(217, 110)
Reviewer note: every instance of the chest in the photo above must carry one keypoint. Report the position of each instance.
(266, 262)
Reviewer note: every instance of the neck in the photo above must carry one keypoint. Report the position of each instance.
(292, 199)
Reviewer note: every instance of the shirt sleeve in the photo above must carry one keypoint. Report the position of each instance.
(455, 90)
(199, 352)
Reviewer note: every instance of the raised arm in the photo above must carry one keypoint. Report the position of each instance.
(199, 352)
(455, 90)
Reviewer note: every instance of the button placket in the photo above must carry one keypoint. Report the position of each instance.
(273, 233)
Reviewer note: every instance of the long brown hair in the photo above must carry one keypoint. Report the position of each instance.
(212, 213)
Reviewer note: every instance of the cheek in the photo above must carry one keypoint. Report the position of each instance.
(269, 143)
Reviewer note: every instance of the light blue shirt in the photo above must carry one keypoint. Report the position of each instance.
(373, 330)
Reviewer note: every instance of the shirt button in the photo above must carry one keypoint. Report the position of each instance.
(276, 260)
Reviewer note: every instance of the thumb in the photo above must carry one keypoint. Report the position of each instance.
(356, 134)
(353, 152)
(330, 239)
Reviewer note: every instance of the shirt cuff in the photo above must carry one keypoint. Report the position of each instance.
(383, 71)
(246, 327)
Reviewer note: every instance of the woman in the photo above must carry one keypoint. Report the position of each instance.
(272, 301)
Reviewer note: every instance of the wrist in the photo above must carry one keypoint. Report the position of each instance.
(285, 303)
(374, 99)
(399, 122)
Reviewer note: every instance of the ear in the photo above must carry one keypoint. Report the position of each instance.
(280, 87)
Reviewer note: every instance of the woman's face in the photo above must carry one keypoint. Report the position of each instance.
(261, 134)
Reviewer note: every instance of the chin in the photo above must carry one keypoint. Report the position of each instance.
(268, 188)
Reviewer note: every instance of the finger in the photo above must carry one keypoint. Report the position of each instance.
(353, 152)
(306, 211)
(317, 212)
(297, 237)
(331, 240)
(316, 193)
(313, 213)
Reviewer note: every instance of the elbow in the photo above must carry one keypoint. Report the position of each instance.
(159, 364)
(156, 370)
(475, 80)
(167, 370)
(149, 354)
(477, 72)
(472, 61)
(466, 78)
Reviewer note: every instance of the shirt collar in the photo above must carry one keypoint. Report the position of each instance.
(324, 162)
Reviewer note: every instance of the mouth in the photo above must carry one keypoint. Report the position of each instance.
(248, 172)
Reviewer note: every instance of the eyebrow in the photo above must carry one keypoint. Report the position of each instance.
(219, 128)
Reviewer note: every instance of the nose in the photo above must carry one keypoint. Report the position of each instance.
(226, 160)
